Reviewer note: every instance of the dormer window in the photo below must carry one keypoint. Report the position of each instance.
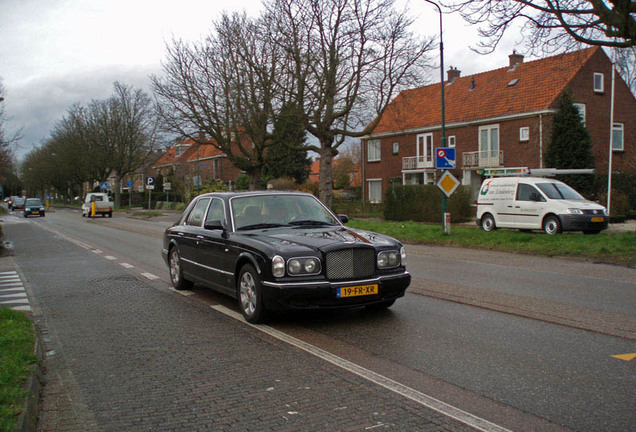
(599, 86)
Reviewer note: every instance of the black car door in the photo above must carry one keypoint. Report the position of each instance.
(211, 247)
(187, 239)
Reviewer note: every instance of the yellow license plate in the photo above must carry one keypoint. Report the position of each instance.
(355, 291)
(35, 212)
(597, 219)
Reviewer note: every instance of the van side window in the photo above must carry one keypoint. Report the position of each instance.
(525, 191)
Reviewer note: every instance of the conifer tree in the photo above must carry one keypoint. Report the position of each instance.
(570, 146)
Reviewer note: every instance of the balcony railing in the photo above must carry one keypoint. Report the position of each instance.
(417, 162)
(483, 159)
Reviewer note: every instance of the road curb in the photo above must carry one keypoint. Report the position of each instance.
(29, 415)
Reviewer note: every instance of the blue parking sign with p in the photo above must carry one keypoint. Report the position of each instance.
(445, 158)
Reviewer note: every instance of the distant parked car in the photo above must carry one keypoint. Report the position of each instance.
(17, 203)
(282, 250)
(33, 207)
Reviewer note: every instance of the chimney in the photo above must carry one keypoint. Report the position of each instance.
(515, 60)
(453, 74)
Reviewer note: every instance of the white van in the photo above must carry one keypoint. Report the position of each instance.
(529, 203)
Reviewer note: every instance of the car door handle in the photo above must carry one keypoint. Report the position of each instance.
(200, 237)
(180, 233)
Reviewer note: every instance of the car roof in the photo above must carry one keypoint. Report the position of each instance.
(233, 194)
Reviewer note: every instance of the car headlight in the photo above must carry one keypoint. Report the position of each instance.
(278, 266)
(27, 209)
(303, 266)
(575, 211)
(388, 259)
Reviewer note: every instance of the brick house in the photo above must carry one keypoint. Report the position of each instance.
(180, 162)
(497, 119)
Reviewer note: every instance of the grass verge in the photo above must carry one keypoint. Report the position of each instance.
(604, 247)
(17, 360)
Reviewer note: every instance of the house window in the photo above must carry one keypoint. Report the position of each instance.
(396, 148)
(524, 134)
(617, 137)
(451, 141)
(373, 150)
(375, 191)
(581, 108)
(598, 83)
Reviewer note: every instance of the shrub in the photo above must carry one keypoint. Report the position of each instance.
(423, 203)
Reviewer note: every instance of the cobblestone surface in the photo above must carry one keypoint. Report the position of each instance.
(127, 354)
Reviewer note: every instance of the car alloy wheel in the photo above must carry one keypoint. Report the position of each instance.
(176, 273)
(250, 296)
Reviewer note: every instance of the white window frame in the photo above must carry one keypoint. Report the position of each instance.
(524, 134)
(581, 108)
(374, 181)
(601, 87)
(489, 151)
(618, 127)
(373, 150)
(452, 141)
(396, 147)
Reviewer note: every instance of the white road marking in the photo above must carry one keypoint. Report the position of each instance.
(25, 308)
(150, 276)
(97, 251)
(126, 265)
(394, 386)
(5, 273)
(110, 257)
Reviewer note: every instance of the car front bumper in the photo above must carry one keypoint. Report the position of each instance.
(318, 295)
(571, 222)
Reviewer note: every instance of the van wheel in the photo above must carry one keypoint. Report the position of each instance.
(551, 225)
(488, 223)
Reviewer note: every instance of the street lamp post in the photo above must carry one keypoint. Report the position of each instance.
(441, 83)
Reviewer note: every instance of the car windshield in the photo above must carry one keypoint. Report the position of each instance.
(269, 211)
(33, 202)
(19, 200)
(559, 191)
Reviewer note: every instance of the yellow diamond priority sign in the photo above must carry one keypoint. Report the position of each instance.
(448, 183)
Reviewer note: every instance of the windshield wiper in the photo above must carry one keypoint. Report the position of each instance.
(309, 222)
(260, 226)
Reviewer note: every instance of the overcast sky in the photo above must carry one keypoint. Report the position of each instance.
(54, 53)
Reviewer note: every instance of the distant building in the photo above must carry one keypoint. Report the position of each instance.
(500, 118)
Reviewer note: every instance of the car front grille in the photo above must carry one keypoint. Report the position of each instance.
(593, 212)
(350, 264)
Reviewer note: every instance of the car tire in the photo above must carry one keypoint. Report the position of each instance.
(110, 214)
(176, 271)
(42, 215)
(551, 225)
(488, 223)
(250, 295)
(25, 215)
(591, 231)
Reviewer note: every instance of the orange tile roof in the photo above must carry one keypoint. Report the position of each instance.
(539, 84)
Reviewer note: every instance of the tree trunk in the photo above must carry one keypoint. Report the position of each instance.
(255, 179)
(326, 175)
(117, 192)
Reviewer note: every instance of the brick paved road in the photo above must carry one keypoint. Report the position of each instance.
(127, 354)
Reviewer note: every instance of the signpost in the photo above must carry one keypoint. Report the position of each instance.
(447, 184)
(150, 185)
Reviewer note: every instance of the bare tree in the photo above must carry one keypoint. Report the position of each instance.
(5, 140)
(228, 87)
(625, 60)
(125, 127)
(348, 59)
(552, 25)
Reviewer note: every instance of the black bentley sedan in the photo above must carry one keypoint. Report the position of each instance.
(282, 250)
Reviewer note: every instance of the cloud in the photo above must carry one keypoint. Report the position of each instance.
(38, 104)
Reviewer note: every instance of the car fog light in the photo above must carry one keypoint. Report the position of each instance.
(278, 266)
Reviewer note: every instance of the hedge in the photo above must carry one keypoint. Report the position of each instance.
(423, 203)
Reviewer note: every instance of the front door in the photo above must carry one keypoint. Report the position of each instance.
(529, 206)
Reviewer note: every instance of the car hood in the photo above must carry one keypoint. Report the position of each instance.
(582, 204)
(321, 238)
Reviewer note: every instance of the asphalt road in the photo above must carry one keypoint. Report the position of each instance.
(518, 372)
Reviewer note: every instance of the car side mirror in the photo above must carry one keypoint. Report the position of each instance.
(343, 218)
(214, 225)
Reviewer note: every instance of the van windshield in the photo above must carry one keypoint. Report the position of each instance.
(559, 191)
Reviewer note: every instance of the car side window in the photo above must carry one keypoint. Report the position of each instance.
(196, 216)
(216, 212)
(526, 191)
